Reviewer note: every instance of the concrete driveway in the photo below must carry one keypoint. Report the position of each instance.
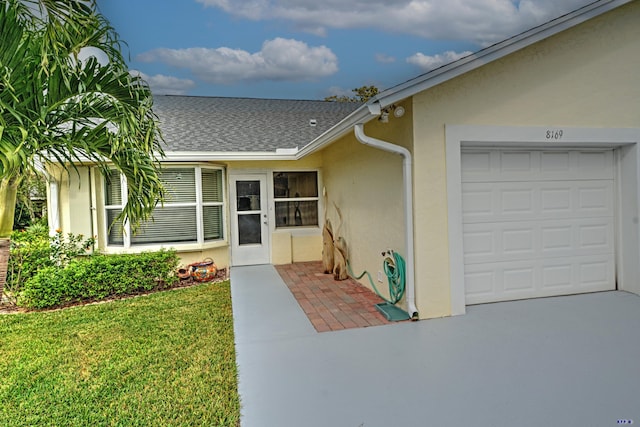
(565, 361)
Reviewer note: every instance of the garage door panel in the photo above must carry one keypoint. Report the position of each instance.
(595, 197)
(505, 281)
(478, 202)
(537, 223)
(512, 241)
(556, 200)
(553, 165)
(518, 201)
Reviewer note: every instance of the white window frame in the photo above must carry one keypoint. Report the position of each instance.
(318, 199)
(199, 205)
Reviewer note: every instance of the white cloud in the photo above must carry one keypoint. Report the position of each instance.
(279, 59)
(481, 21)
(427, 62)
(338, 91)
(166, 85)
(384, 59)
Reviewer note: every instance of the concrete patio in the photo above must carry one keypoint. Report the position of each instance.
(565, 361)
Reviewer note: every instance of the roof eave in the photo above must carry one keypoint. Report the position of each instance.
(363, 114)
(495, 52)
(405, 90)
(223, 156)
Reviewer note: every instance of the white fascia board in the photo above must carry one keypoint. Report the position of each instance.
(495, 52)
(406, 90)
(362, 115)
(219, 156)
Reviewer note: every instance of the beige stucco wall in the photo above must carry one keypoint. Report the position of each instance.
(81, 191)
(584, 77)
(78, 194)
(288, 245)
(75, 197)
(366, 185)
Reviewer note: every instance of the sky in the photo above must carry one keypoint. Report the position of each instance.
(309, 49)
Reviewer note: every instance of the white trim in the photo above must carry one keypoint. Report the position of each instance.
(628, 242)
(224, 156)
(199, 206)
(265, 209)
(405, 90)
(299, 230)
(179, 247)
(342, 128)
(200, 242)
(496, 51)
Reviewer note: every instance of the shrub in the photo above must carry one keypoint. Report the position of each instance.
(33, 250)
(99, 277)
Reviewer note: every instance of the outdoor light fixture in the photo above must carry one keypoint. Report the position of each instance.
(398, 111)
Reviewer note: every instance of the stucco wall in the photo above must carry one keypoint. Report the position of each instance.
(76, 201)
(290, 244)
(366, 185)
(78, 194)
(584, 77)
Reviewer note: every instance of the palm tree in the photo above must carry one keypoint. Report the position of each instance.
(56, 107)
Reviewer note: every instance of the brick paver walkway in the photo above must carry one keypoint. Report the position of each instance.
(331, 305)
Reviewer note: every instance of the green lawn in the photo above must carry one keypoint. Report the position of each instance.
(165, 359)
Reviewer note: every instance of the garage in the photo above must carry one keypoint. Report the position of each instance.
(537, 223)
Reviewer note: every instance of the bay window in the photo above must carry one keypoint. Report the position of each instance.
(192, 211)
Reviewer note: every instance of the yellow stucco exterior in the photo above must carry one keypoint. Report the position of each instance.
(366, 185)
(586, 76)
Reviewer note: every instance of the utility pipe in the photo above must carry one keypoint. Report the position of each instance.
(408, 208)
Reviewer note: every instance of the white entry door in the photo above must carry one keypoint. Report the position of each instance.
(537, 223)
(250, 220)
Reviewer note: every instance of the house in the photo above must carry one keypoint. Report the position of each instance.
(511, 173)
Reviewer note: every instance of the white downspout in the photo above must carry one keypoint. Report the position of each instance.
(408, 208)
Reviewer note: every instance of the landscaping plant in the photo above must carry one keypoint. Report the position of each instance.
(98, 277)
(33, 249)
(60, 106)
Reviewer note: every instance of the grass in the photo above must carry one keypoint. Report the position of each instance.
(165, 359)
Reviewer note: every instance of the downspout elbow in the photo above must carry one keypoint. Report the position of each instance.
(407, 175)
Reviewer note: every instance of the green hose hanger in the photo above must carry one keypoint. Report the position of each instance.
(395, 270)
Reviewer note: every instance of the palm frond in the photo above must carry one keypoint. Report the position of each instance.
(67, 110)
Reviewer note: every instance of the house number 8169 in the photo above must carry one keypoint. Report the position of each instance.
(554, 134)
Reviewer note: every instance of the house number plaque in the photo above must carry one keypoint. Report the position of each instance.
(554, 134)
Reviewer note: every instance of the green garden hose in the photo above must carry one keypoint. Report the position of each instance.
(394, 268)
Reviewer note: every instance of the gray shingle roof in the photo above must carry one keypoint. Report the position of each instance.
(217, 124)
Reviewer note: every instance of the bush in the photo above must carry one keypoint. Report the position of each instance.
(33, 250)
(99, 277)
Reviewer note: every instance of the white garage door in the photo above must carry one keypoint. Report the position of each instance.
(537, 223)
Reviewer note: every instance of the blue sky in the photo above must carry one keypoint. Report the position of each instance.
(309, 49)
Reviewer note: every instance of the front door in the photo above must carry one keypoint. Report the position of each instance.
(249, 224)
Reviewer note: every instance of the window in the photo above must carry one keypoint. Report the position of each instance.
(296, 199)
(192, 212)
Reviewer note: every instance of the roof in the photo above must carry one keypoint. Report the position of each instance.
(219, 124)
(246, 128)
